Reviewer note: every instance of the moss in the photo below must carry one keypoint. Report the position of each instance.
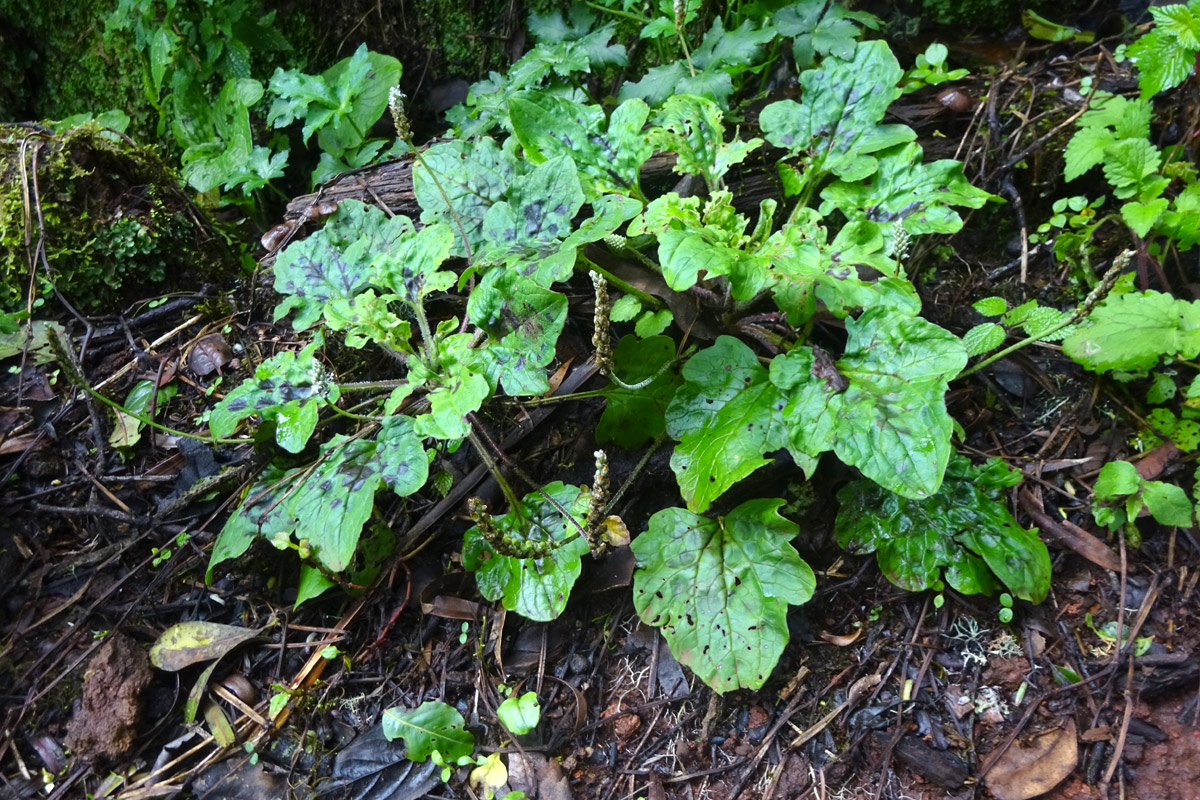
(58, 63)
(969, 13)
(112, 215)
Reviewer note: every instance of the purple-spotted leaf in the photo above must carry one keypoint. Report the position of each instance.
(609, 153)
(336, 499)
(906, 192)
(288, 388)
(527, 228)
(727, 415)
(403, 464)
(473, 176)
(691, 127)
(720, 589)
(336, 262)
(886, 414)
(410, 268)
(434, 726)
(536, 588)
(263, 513)
(523, 322)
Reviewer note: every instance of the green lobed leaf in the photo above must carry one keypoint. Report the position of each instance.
(818, 27)
(906, 192)
(1129, 162)
(807, 269)
(1110, 119)
(720, 589)
(289, 388)
(553, 28)
(726, 416)
(1141, 217)
(361, 84)
(1133, 331)
(1164, 56)
(433, 726)
(685, 254)
(881, 407)
(536, 588)
(721, 55)
(221, 157)
(965, 521)
(609, 153)
(836, 129)
(633, 417)
(462, 388)
(691, 127)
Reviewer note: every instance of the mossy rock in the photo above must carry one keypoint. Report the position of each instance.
(113, 221)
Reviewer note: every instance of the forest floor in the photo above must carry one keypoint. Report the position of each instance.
(880, 693)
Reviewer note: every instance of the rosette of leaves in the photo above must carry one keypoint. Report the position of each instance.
(340, 105)
(836, 131)
(1121, 494)
(963, 533)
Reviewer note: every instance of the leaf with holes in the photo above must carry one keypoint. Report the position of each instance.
(536, 588)
(885, 412)
(720, 589)
(288, 388)
(434, 726)
(523, 322)
(959, 530)
(726, 416)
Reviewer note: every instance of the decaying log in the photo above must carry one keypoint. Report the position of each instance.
(389, 185)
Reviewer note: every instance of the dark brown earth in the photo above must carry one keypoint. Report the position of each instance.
(878, 694)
